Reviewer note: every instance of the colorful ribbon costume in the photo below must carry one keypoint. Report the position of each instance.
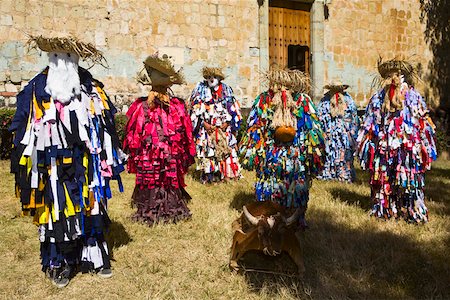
(338, 115)
(65, 156)
(284, 170)
(160, 143)
(397, 144)
(216, 118)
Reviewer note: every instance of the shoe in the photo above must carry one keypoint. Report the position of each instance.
(105, 273)
(61, 279)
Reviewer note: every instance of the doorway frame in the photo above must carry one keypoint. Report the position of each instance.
(317, 45)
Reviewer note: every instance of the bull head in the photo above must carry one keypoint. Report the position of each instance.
(270, 229)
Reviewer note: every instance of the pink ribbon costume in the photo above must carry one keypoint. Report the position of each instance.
(159, 140)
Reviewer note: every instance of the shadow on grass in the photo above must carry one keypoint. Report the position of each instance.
(241, 199)
(351, 197)
(362, 177)
(343, 262)
(435, 189)
(438, 191)
(116, 236)
(271, 274)
(439, 172)
(363, 263)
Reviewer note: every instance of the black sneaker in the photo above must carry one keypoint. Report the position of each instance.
(61, 279)
(105, 273)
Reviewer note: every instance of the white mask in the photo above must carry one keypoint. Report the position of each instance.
(213, 82)
(63, 81)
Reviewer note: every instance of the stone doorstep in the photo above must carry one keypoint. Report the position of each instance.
(8, 94)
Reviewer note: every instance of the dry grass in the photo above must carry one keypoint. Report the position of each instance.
(347, 254)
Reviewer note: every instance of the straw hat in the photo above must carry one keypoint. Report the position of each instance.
(71, 44)
(294, 80)
(159, 72)
(336, 87)
(213, 72)
(388, 67)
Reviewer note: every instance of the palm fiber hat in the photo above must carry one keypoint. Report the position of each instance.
(388, 67)
(212, 72)
(294, 80)
(71, 44)
(159, 72)
(336, 87)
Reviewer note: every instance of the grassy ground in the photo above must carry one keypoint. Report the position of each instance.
(347, 254)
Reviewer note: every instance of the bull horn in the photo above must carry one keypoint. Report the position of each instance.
(252, 219)
(293, 217)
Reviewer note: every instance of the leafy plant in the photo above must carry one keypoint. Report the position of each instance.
(121, 123)
(6, 137)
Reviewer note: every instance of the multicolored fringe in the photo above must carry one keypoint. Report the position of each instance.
(397, 148)
(64, 158)
(216, 145)
(341, 132)
(284, 170)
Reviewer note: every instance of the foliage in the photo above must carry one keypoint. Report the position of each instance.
(121, 123)
(6, 137)
(243, 128)
(442, 142)
(435, 15)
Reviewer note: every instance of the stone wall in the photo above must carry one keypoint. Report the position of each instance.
(227, 33)
(195, 32)
(357, 32)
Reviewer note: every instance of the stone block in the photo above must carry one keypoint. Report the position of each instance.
(213, 43)
(181, 41)
(19, 21)
(221, 21)
(20, 5)
(71, 25)
(9, 87)
(223, 42)
(6, 6)
(213, 21)
(47, 9)
(203, 43)
(2, 87)
(124, 27)
(47, 23)
(33, 22)
(6, 20)
(12, 101)
(213, 9)
(16, 77)
(100, 38)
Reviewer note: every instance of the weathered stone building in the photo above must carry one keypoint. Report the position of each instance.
(330, 39)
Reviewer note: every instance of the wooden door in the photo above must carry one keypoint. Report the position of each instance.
(289, 29)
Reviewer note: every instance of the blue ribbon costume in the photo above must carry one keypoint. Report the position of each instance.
(338, 114)
(397, 146)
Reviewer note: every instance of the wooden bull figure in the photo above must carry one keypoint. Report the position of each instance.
(266, 226)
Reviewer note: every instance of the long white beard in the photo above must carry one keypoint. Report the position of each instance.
(63, 81)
